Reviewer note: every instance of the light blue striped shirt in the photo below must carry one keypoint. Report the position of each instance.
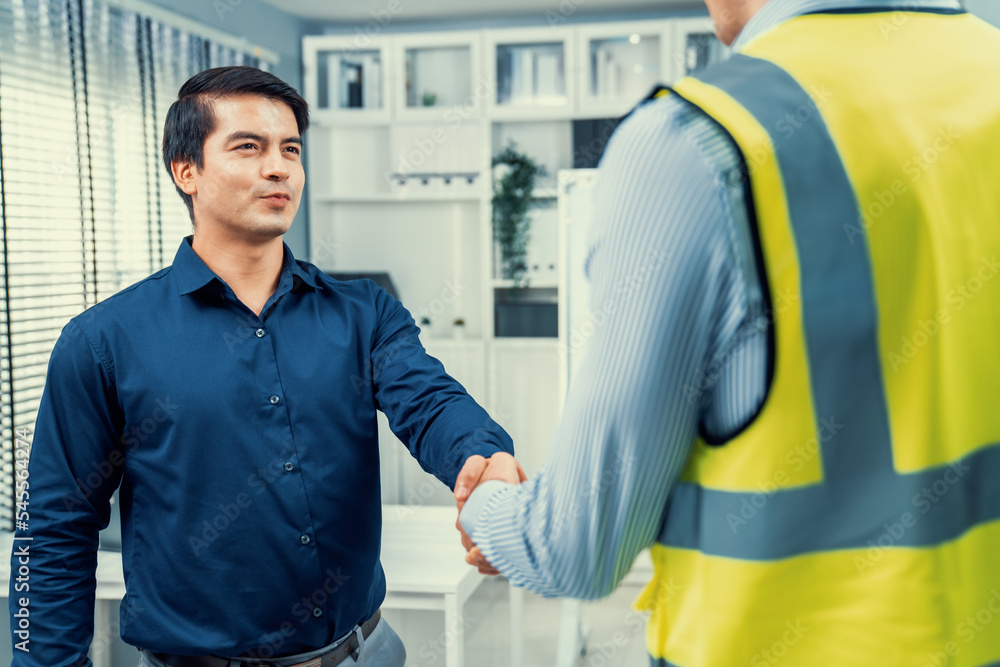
(685, 348)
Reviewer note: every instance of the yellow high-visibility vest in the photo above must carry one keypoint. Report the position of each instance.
(855, 520)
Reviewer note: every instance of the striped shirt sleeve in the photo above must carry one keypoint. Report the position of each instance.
(672, 275)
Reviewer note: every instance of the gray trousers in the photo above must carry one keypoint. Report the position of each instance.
(383, 648)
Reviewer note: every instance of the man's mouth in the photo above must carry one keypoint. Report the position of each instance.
(277, 198)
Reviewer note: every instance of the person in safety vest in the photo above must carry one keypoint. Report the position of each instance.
(790, 389)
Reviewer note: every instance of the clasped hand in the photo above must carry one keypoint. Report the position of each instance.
(501, 466)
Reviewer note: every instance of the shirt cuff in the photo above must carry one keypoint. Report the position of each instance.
(484, 449)
(477, 502)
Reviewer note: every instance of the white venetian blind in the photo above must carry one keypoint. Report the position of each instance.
(86, 205)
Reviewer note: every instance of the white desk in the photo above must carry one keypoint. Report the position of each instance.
(424, 566)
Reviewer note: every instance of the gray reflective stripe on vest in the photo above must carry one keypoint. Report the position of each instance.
(862, 501)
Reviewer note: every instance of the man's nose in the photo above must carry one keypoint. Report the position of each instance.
(274, 166)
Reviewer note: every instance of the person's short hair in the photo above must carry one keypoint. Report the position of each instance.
(191, 118)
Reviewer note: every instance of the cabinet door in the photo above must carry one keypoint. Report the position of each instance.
(532, 72)
(346, 78)
(438, 77)
(619, 64)
(695, 46)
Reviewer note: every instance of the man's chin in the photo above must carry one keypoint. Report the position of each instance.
(270, 227)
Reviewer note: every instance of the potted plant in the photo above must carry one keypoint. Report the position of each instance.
(513, 189)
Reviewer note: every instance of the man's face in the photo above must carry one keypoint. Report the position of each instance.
(251, 180)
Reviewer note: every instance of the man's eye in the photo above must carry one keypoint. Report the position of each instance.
(294, 149)
(251, 146)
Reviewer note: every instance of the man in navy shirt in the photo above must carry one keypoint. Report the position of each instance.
(233, 397)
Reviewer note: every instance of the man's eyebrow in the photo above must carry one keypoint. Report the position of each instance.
(242, 134)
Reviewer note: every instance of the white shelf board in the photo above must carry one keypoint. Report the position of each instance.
(524, 342)
(545, 193)
(391, 197)
(507, 283)
(445, 342)
(337, 118)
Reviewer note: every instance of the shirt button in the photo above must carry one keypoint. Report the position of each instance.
(274, 400)
(289, 466)
(317, 611)
(305, 539)
(260, 333)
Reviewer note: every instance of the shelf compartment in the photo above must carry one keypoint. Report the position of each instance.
(532, 75)
(526, 313)
(428, 248)
(438, 77)
(433, 158)
(548, 142)
(533, 72)
(623, 69)
(695, 46)
(350, 80)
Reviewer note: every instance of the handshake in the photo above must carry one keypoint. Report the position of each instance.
(500, 466)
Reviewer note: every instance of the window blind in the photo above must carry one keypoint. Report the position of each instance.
(86, 206)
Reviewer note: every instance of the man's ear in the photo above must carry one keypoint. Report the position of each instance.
(183, 172)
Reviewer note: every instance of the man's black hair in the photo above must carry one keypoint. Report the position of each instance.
(191, 118)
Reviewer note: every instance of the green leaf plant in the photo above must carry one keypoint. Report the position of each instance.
(512, 200)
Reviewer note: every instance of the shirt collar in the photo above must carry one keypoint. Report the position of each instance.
(192, 274)
(776, 12)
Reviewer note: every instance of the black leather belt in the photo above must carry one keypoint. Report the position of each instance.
(331, 658)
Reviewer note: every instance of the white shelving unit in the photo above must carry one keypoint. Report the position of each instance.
(400, 180)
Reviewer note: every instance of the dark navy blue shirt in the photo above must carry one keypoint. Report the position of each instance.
(247, 452)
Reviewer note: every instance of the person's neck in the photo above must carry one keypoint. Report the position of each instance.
(731, 17)
(251, 269)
